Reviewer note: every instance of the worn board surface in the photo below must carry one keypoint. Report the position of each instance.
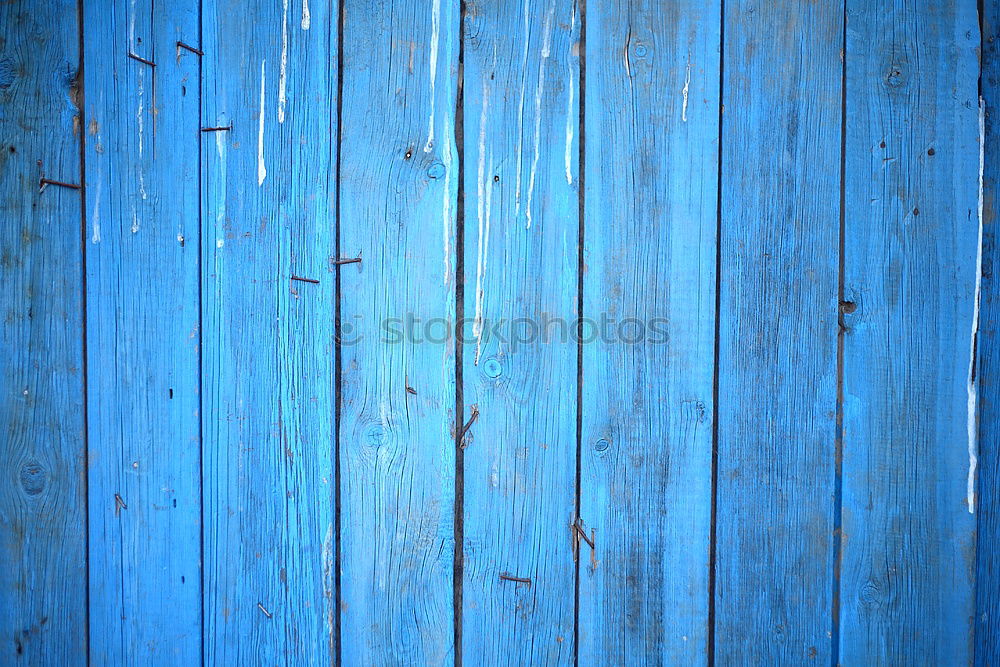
(651, 149)
(267, 338)
(339, 408)
(777, 315)
(142, 243)
(398, 204)
(519, 360)
(910, 203)
(43, 552)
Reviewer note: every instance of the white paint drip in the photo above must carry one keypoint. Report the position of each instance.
(569, 107)
(140, 121)
(261, 170)
(305, 15)
(131, 27)
(95, 237)
(973, 405)
(328, 584)
(135, 221)
(684, 93)
(219, 243)
(435, 38)
(220, 148)
(520, 117)
(483, 201)
(283, 67)
(539, 92)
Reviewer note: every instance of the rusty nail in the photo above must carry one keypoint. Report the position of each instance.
(506, 576)
(119, 503)
(42, 182)
(350, 260)
(472, 418)
(220, 128)
(141, 59)
(266, 612)
(197, 52)
(305, 280)
(580, 532)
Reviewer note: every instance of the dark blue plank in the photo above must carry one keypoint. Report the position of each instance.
(987, 630)
(397, 449)
(652, 128)
(778, 331)
(521, 177)
(142, 243)
(268, 339)
(911, 236)
(43, 566)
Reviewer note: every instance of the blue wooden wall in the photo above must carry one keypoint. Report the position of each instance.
(546, 332)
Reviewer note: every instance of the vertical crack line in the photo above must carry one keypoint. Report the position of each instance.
(338, 385)
(838, 479)
(201, 333)
(581, 180)
(713, 537)
(83, 319)
(458, 562)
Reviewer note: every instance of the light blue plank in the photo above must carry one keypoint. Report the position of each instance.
(911, 232)
(397, 452)
(778, 331)
(521, 177)
(43, 566)
(652, 128)
(143, 336)
(268, 344)
(987, 630)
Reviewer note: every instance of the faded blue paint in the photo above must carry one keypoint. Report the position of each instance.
(813, 167)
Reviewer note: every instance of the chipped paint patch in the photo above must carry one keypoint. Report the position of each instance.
(306, 20)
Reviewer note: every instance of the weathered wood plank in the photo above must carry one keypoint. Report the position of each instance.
(652, 128)
(143, 313)
(521, 93)
(910, 246)
(396, 444)
(779, 241)
(268, 340)
(43, 566)
(987, 630)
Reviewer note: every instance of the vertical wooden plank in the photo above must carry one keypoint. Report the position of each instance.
(269, 221)
(779, 252)
(911, 233)
(521, 119)
(397, 453)
(987, 630)
(43, 567)
(142, 241)
(652, 128)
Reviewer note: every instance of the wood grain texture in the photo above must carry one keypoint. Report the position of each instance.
(652, 128)
(396, 447)
(911, 202)
(778, 331)
(987, 629)
(142, 238)
(268, 341)
(521, 96)
(43, 560)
